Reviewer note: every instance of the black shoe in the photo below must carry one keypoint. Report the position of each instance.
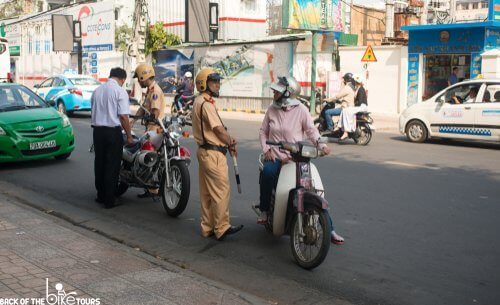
(147, 194)
(99, 200)
(231, 230)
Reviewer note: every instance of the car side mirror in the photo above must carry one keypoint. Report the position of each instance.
(36, 86)
(134, 101)
(441, 100)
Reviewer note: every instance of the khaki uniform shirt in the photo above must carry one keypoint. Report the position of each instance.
(210, 120)
(155, 100)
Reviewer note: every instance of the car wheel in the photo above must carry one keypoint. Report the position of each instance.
(416, 131)
(61, 108)
(63, 156)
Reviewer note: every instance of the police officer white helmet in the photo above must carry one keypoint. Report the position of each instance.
(289, 88)
(188, 74)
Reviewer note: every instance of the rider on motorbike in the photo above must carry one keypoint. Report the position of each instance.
(345, 97)
(185, 89)
(286, 120)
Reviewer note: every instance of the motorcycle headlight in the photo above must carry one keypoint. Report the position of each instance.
(175, 131)
(309, 151)
(2, 132)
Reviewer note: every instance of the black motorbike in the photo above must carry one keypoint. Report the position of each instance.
(182, 105)
(364, 128)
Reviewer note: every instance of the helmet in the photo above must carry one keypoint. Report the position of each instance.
(204, 76)
(144, 72)
(358, 79)
(188, 74)
(347, 77)
(289, 88)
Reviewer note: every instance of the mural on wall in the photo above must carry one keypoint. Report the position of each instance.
(170, 67)
(413, 74)
(248, 70)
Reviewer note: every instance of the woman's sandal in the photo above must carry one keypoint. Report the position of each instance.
(337, 239)
(262, 219)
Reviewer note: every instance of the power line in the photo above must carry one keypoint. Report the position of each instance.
(361, 12)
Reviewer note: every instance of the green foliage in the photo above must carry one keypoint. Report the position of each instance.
(123, 35)
(158, 38)
(11, 9)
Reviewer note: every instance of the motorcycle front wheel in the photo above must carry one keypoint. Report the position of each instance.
(175, 198)
(311, 249)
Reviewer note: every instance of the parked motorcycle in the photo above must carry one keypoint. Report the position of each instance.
(364, 126)
(158, 161)
(298, 207)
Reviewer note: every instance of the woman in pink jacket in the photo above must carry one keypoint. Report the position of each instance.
(286, 120)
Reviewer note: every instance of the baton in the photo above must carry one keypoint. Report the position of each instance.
(236, 172)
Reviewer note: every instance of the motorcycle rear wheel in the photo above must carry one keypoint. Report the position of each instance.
(175, 199)
(364, 137)
(317, 230)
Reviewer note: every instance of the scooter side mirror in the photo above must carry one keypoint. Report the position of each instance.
(133, 101)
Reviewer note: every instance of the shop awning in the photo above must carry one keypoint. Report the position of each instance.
(449, 26)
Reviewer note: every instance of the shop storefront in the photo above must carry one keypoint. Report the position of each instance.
(435, 50)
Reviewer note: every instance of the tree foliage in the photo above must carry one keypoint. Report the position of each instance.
(123, 35)
(11, 9)
(158, 38)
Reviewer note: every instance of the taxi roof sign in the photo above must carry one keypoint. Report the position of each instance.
(369, 55)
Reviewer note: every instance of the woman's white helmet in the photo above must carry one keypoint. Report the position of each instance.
(188, 74)
(289, 88)
(358, 78)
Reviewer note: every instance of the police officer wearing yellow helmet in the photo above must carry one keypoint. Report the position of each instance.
(213, 144)
(154, 103)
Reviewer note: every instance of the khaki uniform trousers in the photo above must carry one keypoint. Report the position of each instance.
(215, 192)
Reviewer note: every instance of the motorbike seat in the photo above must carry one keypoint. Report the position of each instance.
(134, 147)
(363, 112)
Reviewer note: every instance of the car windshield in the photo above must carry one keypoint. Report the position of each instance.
(84, 81)
(16, 97)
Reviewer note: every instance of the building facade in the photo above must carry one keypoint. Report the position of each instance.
(368, 24)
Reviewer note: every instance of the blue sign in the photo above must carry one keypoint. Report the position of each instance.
(93, 63)
(448, 41)
(93, 55)
(494, 10)
(93, 70)
(475, 66)
(492, 40)
(413, 68)
(98, 48)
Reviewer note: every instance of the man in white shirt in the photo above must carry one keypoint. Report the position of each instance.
(110, 111)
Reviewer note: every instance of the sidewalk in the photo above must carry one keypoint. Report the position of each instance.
(36, 247)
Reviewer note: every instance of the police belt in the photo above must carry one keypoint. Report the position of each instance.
(221, 149)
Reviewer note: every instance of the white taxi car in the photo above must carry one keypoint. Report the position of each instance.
(466, 110)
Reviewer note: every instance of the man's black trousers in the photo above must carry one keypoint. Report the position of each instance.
(108, 146)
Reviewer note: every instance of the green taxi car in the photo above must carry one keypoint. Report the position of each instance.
(30, 128)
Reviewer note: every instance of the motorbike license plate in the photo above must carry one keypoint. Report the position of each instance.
(42, 145)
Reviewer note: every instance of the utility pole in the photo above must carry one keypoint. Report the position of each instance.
(389, 18)
(423, 17)
(314, 55)
(138, 47)
(453, 9)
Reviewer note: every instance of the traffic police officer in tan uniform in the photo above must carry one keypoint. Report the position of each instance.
(154, 103)
(213, 143)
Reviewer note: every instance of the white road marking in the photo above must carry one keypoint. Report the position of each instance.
(410, 165)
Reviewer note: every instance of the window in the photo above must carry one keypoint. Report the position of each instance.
(47, 83)
(463, 94)
(3, 48)
(492, 94)
(19, 97)
(484, 4)
(475, 5)
(58, 82)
